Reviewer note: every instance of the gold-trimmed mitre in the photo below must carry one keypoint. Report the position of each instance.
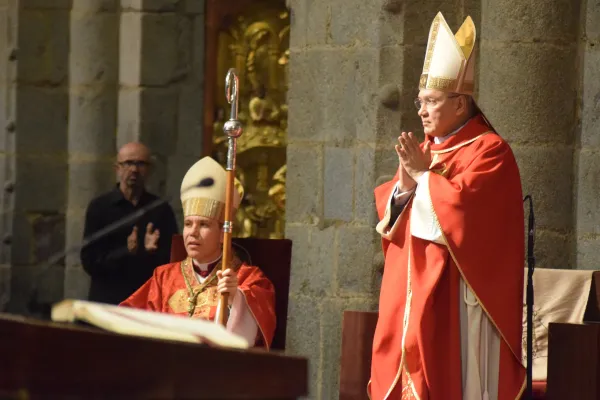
(207, 201)
(450, 58)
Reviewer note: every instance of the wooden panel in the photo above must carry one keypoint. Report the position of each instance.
(41, 359)
(358, 329)
(592, 310)
(573, 353)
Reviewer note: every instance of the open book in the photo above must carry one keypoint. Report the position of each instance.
(130, 321)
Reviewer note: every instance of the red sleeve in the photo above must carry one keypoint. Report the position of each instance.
(260, 296)
(382, 197)
(149, 296)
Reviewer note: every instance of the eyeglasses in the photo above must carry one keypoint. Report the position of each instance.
(430, 103)
(134, 163)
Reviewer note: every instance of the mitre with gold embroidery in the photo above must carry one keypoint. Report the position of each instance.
(450, 58)
(207, 201)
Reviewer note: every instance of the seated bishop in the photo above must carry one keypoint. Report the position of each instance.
(192, 287)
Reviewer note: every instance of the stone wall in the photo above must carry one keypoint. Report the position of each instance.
(161, 73)
(587, 145)
(84, 78)
(93, 75)
(529, 83)
(38, 148)
(7, 126)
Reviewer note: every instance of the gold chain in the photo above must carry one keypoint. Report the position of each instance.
(193, 294)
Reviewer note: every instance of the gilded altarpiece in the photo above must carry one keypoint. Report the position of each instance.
(253, 37)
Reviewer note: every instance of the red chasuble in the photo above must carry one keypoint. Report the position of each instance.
(174, 289)
(476, 195)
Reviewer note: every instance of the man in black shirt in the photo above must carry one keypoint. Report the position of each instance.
(123, 261)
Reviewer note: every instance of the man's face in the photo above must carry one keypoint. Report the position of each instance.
(133, 166)
(439, 111)
(202, 238)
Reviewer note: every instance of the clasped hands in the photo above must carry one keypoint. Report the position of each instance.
(414, 161)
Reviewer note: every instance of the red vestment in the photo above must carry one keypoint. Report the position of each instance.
(174, 289)
(475, 191)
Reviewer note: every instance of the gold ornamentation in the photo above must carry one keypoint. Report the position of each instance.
(257, 44)
(197, 298)
(443, 170)
(435, 27)
(195, 289)
(204, 207)
(407, 387)
(438, 83)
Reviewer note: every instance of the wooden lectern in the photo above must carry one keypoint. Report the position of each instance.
(50, 360)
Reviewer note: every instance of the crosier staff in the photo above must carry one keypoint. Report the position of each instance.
(233, 130)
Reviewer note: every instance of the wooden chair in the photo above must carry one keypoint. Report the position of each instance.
(274, 258)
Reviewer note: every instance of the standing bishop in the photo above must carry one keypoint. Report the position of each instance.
(451, 222)
(192, 287)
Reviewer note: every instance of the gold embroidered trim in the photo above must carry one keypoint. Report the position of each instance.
(458, 146)
(438, 83)
(435, 27)
(402, 365)
(203, 207)
(408, 387)
(194, 290)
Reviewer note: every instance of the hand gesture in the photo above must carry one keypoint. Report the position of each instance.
(151, 238)
(228, 283)
(414, 160)
(132, 240)
(405, 182)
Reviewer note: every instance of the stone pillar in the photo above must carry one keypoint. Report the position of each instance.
(587, 192)
(527, 87)
(161, 86)
(93, 66)
(330, 161)
(7, 116)
(354, 72)
(37, 146)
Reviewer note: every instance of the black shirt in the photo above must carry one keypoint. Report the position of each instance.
(116, 273)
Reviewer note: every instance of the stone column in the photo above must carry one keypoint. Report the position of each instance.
(7, 116)
(37, 148)
(93, 64)
(330, 161)
(528, 82)
(587, 192)
(161, 86)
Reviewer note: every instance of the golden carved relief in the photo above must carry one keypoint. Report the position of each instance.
(256, 43)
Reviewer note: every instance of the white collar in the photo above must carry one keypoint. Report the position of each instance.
(438, 140)
(204, 266)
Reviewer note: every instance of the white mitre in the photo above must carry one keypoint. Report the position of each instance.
(208, 201)
(450, 58)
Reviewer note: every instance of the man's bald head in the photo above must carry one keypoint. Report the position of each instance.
(133, 165)
(134, 150)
